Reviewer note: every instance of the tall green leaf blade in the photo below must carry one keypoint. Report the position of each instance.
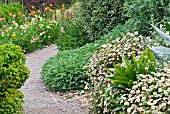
(125, 60)
(119, 82)
(152, 62)
(130, 72)
(119, 71)
(144, 60)
(121, 78)
(162, 34)
(140, 68)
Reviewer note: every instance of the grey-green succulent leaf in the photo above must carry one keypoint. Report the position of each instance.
(161, 53)
(162, 34)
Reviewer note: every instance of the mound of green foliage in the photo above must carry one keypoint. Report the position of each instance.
(65, 71)
(98, 17)
(13, 74)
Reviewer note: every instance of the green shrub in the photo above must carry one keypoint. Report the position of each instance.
(64, 71)
(98, 84)
(98, 17)
(13, 74)
(11, 102)
(61, 71)
(143, 12)
(70, 36)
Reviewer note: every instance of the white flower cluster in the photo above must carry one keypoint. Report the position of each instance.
(150, 94)
(108, 55)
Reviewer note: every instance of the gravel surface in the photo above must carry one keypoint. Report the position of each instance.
(38, 100)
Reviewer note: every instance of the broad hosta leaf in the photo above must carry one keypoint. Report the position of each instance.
(162, 34)
(161, 53)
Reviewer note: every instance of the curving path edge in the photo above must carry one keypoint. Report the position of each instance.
(37, 99)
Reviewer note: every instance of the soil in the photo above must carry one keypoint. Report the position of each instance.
(38, 98)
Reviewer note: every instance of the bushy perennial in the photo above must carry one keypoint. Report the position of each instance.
(110, 54)
(149, 94)
(97, 69)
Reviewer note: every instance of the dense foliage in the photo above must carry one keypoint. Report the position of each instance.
(31, 36)
(143, 12)
(13, 9)
(149, 94)
(13, 74)
(98, 17)
(97, 69)
(11, 102)
(68, 73)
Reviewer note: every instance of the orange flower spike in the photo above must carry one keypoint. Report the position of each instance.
(62, 5)
(10, 14)
(32, 7)
(38, 11)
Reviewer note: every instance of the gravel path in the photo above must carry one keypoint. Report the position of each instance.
(37, 99)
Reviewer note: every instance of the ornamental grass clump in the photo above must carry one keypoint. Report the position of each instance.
(149, 94)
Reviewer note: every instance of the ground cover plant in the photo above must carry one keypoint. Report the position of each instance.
(13, 74)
